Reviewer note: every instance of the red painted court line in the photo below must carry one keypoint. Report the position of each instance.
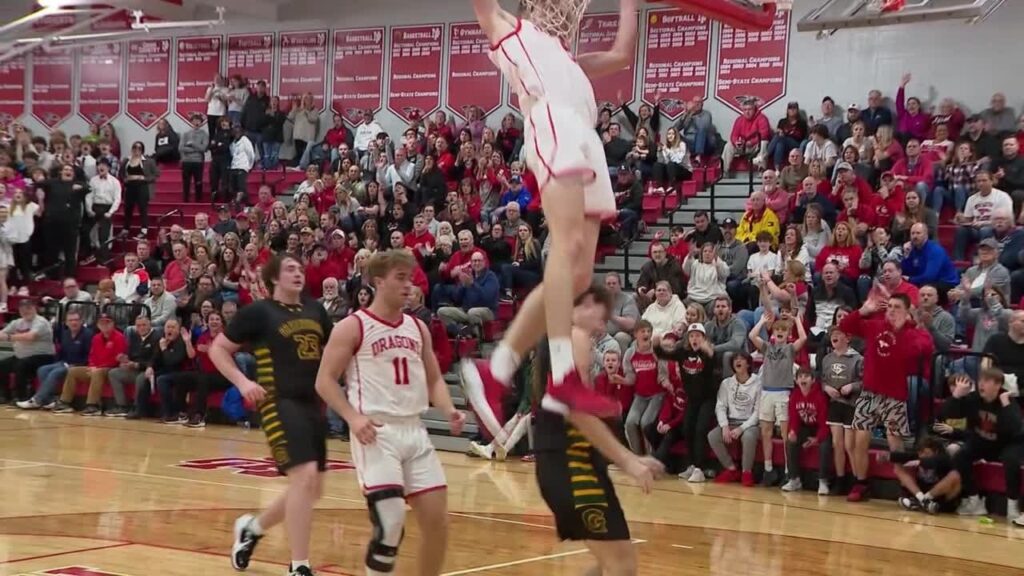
(78, 551)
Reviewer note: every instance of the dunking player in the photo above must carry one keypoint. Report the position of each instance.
(567, 156)
(390, 370)
(286, 334)
(573, 453)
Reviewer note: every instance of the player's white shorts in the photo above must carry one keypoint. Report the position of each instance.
(562, 145)
(401, 457)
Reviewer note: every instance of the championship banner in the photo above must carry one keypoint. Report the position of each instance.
(149, 81)
(251, 56)
(52, 78)
(197, 62)
(358, 81)
(676, 59)
(473, 80)
(12, 90)
(752, 65)
(597, 34)
(414, 86)
(100, 69)
(303, 66)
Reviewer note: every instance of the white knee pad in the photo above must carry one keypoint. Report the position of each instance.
(387, 514)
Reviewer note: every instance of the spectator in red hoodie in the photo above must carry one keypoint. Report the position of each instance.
(896, 350)
(419, 239)
(207, 378)
(318, 268)
(337, 135)
(911, 120)
(914, 170)
(846, 178)
(104, 354)
(889, 200)
(612, 382)
(861, 216)
(339, 253)
(749, 138)
(808, 410)
(844, 251)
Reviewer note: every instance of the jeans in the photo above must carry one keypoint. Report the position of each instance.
(513, 277)
(24, 370)
(923, 190)
(969, 365)
(235, 116)
(864, 284)
(642, 413)
(335, 423)
(700, 142)
(627, 221)
(779, 148)
(191, 172)
(247, 364)
(50, 377)
(794, 449)
(270, 152)
(967, 235)
(314, 153)
(697, 422)
(957, 195)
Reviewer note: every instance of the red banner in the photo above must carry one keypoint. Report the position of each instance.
(473, 80)
(415, 82)
(358, 83)
(149, 80)
(597, 34)
(676, 59)
(53, 22)
(120, 20)
(752, 65)
(52, 77)
(198, 61)
(12, 90)
(252, 56)
(303, 66)
(99, 81)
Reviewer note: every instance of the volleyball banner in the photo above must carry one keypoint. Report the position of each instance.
(52, 78)
(358, 83)
(414, 85)
(302, 66)
(12, 89)
(676, 59)
(251, 56)
(197, 62)
(100, 69)
(597, 34)
(149, 81)
(752, 65)
(473, 80)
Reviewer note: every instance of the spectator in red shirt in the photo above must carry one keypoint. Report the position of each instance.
(419, 239)
(807, 410)
(337, 135)
(844, 252)
(951, 116)
(318, 268)
(915, 170)
(846, 177)
(612, 382)
(207, 378)
(176, 273)
(861, 216)
(911, 120)
(104, 354)
(510, 138)
(896, 350)
(749, 137)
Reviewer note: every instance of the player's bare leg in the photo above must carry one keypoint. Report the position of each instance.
(614, 558)
(305, 483)
(431, 509)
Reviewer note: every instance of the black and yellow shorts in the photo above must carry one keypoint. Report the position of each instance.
(575, 485)
(296, 431)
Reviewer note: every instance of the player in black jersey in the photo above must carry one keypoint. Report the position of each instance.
(573, 451)
(286, 334)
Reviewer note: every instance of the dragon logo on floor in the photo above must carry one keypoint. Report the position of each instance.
(72, 571)
(261, 467)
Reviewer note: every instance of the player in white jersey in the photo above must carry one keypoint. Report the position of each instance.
(565, 152)
(390, 371)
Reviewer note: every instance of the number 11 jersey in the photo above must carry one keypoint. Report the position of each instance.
(386, 375)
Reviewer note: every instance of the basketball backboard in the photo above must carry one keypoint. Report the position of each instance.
(835, 15)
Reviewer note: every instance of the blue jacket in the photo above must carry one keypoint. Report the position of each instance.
(74, 350)
(482, 293)
(522, 197)
(929, 264)
(1012, 254)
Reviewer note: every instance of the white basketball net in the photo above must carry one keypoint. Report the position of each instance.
(559, 18)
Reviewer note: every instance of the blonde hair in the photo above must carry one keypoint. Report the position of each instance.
(384, 262)
(849, 236)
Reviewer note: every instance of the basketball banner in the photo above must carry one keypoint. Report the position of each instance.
(53, 22)
(52, 78)
(149, 81)
(196, 63)
(303, 66)
(251, 56)
(473, 80)
(752, 65)
(99, 80)
(414, 86)
(676, 59)
(597, 34)
(358, 83)
(12, 89)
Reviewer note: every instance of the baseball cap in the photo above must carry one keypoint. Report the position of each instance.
(306, 230)
(989, 243)
(844, 166)
(104, 316)
(729, 223)
(338, 232)
(974, 118)
(696, 327)
(853, 107)
(241, 216)
(223, 208)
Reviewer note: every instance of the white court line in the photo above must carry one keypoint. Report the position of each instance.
(20, 466)
(681, 546)
(503, 520)
(524, 560)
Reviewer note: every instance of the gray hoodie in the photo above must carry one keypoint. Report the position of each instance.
(735, 255)
(739, 401)
(193, 145)
(838, 370)
(728, 338)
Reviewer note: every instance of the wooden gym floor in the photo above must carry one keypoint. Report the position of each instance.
(98, 496)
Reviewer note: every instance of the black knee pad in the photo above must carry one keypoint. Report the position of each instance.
(387, 515)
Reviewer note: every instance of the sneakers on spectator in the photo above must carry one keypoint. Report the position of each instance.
(972, 506)
(507, 296)
(92, 410)
(1016, 521)
(59, 407)
(87, 261)
(575, 395)
(859, 492)
(133, 414)
(728, 476)
(747, 479)
(500, 454)
(172, 420)
(485, 394)
(793, 485)
(478, 449)
(685, 474)
(909, 503)
(196, 421)
(29, 404)
(245, 542)
(823, 489)
(116, 412)
(932, 507)
(301, 571)
(697, 477)
(771, 477)
(49, 405)
(529, 459)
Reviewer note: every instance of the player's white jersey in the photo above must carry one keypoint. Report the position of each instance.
(540, 69)
(386, 375)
